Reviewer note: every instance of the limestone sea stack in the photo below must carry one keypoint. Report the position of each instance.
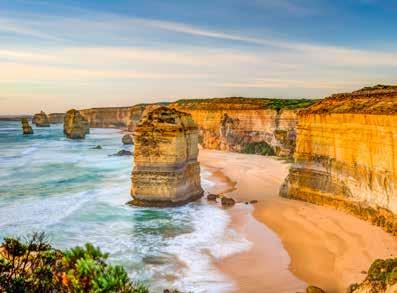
(75, 126)
(127, 139)
(166, 171)
(41, 120)
(26, 128)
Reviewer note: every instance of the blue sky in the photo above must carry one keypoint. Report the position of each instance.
(55, 55)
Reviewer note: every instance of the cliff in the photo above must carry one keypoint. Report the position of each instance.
(166, 171)
(346, 155)
(236, 124)
(41, 120)
(75, 126)
(232, 124)
(56, 118)
(117, 117)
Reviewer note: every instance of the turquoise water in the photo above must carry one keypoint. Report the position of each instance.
(77, 194)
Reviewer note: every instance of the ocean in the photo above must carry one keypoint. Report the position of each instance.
(77, 194)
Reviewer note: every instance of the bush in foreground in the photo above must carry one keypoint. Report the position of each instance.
(33, 265)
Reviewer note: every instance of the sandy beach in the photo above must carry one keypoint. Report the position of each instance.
(294, 243)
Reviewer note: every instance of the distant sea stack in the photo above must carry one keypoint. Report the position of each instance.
(75, 126)
(346, 155)
(41, 120)
(166, 171)
(26, 128)
(127, 139)
(56, 118)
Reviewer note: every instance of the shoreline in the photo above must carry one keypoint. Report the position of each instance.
(294, 243)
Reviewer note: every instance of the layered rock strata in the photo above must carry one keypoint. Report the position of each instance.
(56, 118)
(166, 171)
(346, 155)
(26, 128)
(41, 120)
(75, 126)
(232, 124)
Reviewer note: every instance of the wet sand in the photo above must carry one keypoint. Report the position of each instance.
(294, 243)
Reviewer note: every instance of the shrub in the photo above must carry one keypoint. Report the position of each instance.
(258, 148)
(32, 265)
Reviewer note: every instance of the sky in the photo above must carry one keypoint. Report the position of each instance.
(62, 54)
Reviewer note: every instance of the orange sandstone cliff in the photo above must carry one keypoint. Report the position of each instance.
(232, 124)
(346, 155)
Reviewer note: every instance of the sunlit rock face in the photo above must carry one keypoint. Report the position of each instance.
(75, 126)
(26, 128)
(166, 170)
(230, 124)
(41, 120)
(346, 155)
(56, 118)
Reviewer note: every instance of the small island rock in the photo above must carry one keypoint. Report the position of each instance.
(227, 201)
(127, 139)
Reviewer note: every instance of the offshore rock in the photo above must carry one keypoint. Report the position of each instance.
(166, 171)
(26, 128)
(56, 118)
(346, 155)
(127, 139)
(41, 120)
(75, 126)
(122, 153)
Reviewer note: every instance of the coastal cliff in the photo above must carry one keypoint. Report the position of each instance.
(346, 155)
(166, 171)
(235, 124)
(231, 124)
(56, 118)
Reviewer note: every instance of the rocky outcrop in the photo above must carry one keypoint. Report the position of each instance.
(166, 171)
(41, 120)
(75, 126)
(233, 124)
(127, 139)
(381, 278)
(346, 155)
(56, 118)
(26, 128)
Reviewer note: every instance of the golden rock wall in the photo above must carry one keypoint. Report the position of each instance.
(166, 171)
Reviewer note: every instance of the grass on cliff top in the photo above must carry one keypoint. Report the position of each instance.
(257, 103)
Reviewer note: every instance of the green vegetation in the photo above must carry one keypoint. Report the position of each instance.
(258, 148)
(254, 103)
(32, 265)
(383, 271)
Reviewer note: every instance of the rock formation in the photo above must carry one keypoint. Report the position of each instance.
(41, 120)
(346, 155)
(26, 128)
(56, 118)
(166, 171)
(75, 126)
(232, 124)
(127, 139)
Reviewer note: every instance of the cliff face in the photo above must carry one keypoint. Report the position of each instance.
(234, 123)
(75, 126)
(166, 171)
(346, 155)
(229, 124)
(56, 118)
(117, 117)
